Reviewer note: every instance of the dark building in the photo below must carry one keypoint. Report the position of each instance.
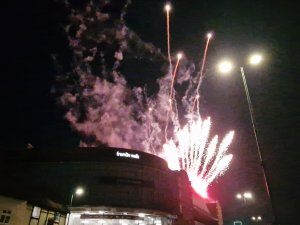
(119, 186)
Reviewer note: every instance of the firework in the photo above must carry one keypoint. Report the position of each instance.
(167, 9)
(196, 100)
(171, 96)
(191, 150)
(179, 56)
(101, 106)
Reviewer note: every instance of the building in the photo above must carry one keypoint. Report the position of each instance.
(16, 211)
(120, 186)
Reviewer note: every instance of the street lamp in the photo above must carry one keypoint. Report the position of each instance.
(225, 67)
(244, 196)
(78, 192)
(256, 218)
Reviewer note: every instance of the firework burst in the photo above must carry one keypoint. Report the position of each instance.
(193, 151)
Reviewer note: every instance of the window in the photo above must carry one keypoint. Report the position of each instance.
(56, 217)
(5, 216)
(36, 212)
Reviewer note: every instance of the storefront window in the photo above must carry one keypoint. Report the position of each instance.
(117, 218)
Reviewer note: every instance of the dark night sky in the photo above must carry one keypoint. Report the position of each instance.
(32, 31)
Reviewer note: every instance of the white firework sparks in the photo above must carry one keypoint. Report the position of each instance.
(191, 150)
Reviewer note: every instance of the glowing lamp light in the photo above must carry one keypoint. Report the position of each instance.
(247, 195)
(79, 191)
(167, 7)
(259, 217)
(238, 196)
(255, 59)
(225, 66)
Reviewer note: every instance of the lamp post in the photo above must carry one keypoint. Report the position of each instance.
(225, 67)
(78, 192)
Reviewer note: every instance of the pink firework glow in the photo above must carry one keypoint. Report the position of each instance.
(203, 159)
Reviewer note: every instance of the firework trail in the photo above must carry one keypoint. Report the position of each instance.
(179, 56)
(172, 96)
(168, 8)
(197, 97)
(101, 105)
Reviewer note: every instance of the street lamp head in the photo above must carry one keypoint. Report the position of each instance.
(225, 66)
(238, 196)
(79, 191)
(247, 195)
(259, 218)
(255, 59)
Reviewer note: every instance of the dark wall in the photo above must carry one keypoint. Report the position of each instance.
(108, 180)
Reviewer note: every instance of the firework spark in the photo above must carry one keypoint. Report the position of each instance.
(192, 151)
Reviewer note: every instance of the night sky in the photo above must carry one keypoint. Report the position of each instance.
(32, 33)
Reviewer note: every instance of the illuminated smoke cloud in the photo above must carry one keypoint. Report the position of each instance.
(101, 106)
(104, 109)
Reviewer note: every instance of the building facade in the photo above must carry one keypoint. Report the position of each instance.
(120, 186)
(19, 212)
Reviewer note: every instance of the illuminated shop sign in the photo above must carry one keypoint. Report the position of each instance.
(127, 155)
(103, 216)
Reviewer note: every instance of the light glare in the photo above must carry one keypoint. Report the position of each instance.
(239, 196)
(255, 59)
(225, 66)
(209, 35)
(79, 191)
(247, 195)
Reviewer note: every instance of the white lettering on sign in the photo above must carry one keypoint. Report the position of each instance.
(127, 155)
